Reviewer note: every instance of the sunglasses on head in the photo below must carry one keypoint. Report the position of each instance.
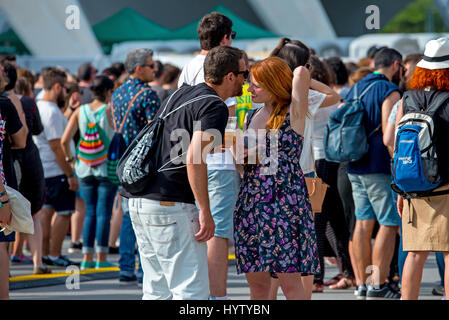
(244, 73)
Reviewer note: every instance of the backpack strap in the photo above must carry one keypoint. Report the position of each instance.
(204, 96)
(126, 114)
(361, 96)
(162, 168)
(368, 88)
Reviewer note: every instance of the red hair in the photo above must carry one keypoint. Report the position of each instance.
(436, 79)
(274, 75)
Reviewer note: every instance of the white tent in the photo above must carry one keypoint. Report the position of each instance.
(404, 43)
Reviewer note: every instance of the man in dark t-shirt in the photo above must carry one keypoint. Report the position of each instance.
(170, 231)
(371, 179)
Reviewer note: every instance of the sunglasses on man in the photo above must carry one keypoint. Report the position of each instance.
(149, 65)
(244, 73)
(233, 35)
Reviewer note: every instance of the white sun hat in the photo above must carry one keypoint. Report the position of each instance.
(436, 55)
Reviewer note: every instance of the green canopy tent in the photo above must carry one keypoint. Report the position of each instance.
(11, 43)
(244, 29)
(127, 25)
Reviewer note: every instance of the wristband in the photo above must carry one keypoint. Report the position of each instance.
(4, 202)
(71, 176)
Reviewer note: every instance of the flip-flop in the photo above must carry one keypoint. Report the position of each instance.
(344, 283)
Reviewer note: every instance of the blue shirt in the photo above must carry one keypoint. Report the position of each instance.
(144, 107)
(377, 160)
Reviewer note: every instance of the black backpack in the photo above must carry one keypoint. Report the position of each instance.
(140, 162)
(117, 147)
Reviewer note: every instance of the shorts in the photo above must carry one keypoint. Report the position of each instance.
(223, 188)
(425, 223)
(9, 238)
(373, 199)
(58, 196)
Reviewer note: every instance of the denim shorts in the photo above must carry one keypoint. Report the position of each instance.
(58, 196)
(373, 199)
(223, 188)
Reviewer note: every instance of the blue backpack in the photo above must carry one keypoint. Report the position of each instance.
(345, 137)
(415, 163)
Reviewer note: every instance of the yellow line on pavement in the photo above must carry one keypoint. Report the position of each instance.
(61, 274)
(66, 274)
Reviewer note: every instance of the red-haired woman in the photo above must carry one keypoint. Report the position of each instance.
(425, 221)
(273, 223)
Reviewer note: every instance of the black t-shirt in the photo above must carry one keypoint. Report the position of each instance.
(12, 125)
(32, 117)
(441, 123)
(206, 114)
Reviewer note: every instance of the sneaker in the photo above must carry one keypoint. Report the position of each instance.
(124, 280)
(21, 259)
(87, 265)
(113, 250)
(438, 290)
(46, 260)
(61, 261)
(41, 270)
(105, 264)
(360, 292)
(384, 292)
(75, 247)
(70, 262)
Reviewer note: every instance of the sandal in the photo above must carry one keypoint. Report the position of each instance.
(317, 288)
(334, 280)
(344, 283)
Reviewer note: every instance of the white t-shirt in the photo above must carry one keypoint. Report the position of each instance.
(193, 74)
(54, 124)
(319, 123)
(394, 112)
(306, 160)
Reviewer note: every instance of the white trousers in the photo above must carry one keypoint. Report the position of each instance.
(174, 264)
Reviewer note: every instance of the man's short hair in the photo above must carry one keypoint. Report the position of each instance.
(160, 69)
(136, 58)
(11, 75)
(212, 28)
(85, 72)
(219, 62)
(53, 76)
(386, 57)
(372, 51)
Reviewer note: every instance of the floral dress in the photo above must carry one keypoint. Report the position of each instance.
(274, 227)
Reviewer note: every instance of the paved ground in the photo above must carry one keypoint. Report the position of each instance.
(104, 285)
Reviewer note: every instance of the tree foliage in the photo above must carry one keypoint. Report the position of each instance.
(419, 16)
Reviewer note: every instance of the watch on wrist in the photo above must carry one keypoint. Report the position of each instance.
(69, 159)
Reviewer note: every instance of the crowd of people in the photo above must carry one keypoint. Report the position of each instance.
(57, 130)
